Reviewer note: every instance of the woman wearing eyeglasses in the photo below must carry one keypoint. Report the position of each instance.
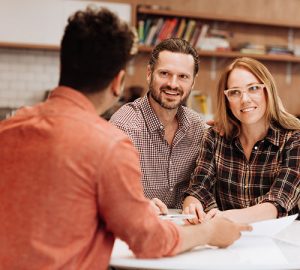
(252, 172)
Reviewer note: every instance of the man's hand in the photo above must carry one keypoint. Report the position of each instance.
(223, 232)
(159, 207)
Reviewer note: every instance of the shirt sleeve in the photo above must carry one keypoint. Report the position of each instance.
(125, 210)
(285, 191)
(204, 176)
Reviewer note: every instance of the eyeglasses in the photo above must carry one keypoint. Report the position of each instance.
(251, 90)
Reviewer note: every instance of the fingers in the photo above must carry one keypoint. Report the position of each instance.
(224, 232)
(212, 213)
(197, 210)
(245, 227)
(160, 207)
(210, 122)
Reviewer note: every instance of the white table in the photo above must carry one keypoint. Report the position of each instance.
(249, 252)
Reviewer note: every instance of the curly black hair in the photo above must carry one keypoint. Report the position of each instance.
(96, 45)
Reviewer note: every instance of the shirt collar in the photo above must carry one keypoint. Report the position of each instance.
(273, 135)
(73, 96)
(152, 120)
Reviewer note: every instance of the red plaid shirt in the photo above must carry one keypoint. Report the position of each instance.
(166, 168)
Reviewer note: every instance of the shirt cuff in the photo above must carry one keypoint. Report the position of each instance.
(281, 211)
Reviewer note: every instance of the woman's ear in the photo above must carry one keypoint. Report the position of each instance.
(117, 85)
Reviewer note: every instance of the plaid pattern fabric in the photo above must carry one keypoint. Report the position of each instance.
(166, 169)
(224, 178)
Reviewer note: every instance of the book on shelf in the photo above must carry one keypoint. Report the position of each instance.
(190, 28)
(155, 24)
(159, 25)
(214, 44)
(181, 28)
(172, 28)
(147, 26)
(252, 48)
(163, 32)
(196, 34)
(220, 33)
(278, 49)
(141, 27)
(202, 35)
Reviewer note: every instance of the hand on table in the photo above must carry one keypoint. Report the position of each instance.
(159, 207)
(197, 210)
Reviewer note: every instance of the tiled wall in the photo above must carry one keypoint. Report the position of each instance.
(25, 75)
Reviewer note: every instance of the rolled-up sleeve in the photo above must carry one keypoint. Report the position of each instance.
(285, 190)
(128, 215)
(203, 178)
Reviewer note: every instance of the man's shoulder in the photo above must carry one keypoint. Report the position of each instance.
(129, 115)
(194, 117)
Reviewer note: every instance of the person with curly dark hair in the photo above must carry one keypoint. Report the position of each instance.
(70, 181)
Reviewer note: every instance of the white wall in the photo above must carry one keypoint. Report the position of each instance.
(43, 21)
(25, 75)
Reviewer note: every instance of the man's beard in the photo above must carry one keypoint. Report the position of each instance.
(156, 95)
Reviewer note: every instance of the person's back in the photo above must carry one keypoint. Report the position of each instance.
(51, 153)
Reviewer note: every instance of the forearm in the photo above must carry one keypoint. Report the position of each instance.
(194, 235)
(251, 214)
(218, 232)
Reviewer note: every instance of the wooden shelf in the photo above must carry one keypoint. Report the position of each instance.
(233, 54)
(29, 46)
(215, 17)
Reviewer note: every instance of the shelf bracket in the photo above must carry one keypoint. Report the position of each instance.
(288, 75)
(213, 68)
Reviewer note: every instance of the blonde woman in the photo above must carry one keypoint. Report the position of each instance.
(252, 172)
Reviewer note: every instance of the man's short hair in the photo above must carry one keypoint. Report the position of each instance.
(96, 45)
(176, 45)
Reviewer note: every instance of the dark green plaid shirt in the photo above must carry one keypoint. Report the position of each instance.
(224, 178)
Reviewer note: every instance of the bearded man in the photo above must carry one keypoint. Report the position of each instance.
(166, 133)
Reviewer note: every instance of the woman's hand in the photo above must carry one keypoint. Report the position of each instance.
(191, 205)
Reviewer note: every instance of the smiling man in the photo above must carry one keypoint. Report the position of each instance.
(166, 133)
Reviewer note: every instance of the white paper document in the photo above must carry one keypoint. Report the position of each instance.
(270, 227)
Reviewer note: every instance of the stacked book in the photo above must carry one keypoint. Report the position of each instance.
(279, 49)
(252, 48)
(153, 30)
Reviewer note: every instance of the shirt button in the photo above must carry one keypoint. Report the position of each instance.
(255, 147)
(171, 189)
(246, 187)
(161, 127)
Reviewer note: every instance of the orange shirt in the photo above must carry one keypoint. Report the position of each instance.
(70, 184)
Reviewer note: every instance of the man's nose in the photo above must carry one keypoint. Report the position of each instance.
(173, 81)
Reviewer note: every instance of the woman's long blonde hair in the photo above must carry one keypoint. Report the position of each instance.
(275, 111)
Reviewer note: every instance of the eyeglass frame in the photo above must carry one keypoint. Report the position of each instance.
(242, 90)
